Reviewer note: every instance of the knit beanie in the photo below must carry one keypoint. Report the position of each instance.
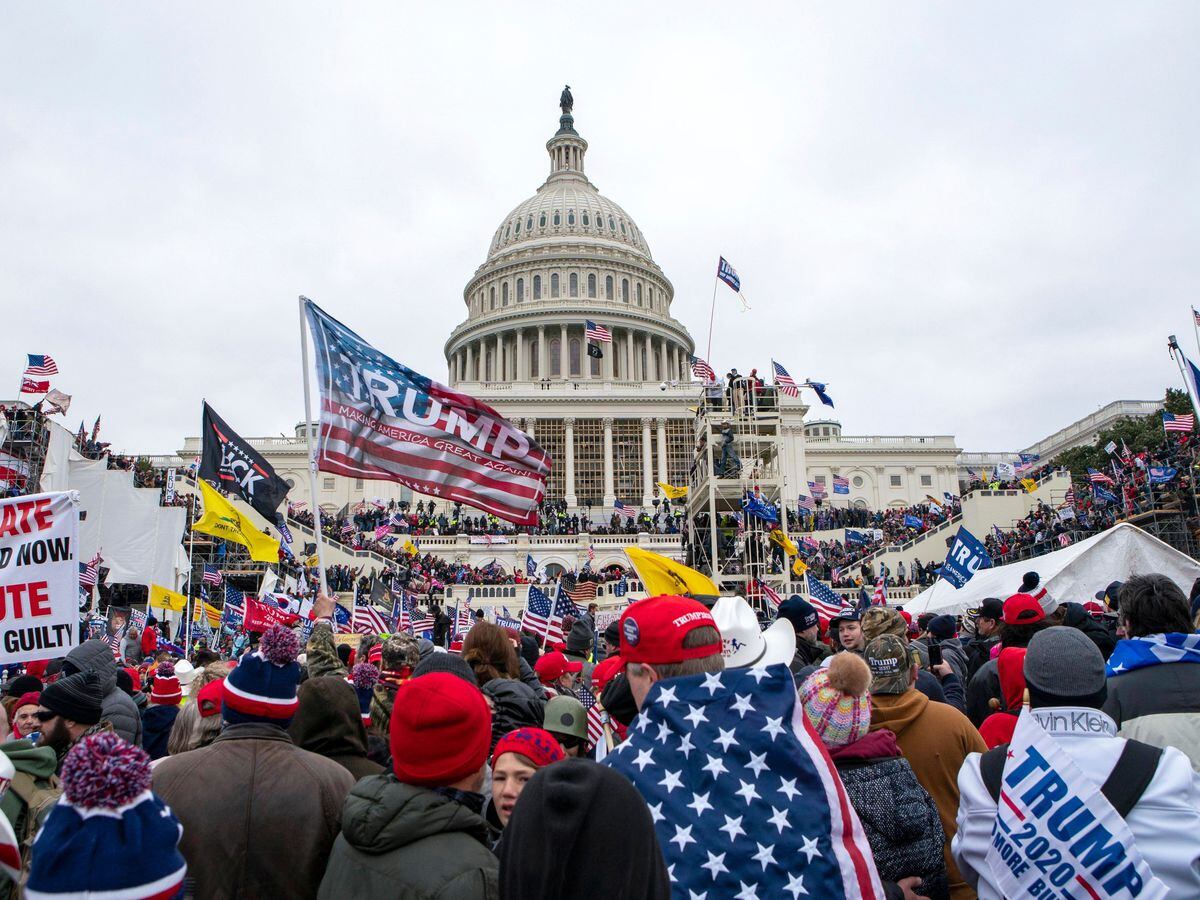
(363, 678)
(536, 744)
(77, 697)
(185, 672)
(1063, 664)
(836, 701)
(109, 835)
(24, 684)
(942, 628)
(446, 662)
(440, 732)
(166, 690)
(262, 687)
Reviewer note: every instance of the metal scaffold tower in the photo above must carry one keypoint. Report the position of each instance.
(739, 445)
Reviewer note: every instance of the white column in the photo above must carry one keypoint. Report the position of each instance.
(543, 353)
(609, 489)
(519, 368)
(496, 371)
(470, 358)
(606, 365)
(529, 428)
(569, 448)
(629, 376)
(564, 362)
(663, 373)
(647, 474)
(662, 449)
(585, 361)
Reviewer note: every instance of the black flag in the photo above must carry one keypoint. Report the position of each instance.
(230, 463)
(595, 352)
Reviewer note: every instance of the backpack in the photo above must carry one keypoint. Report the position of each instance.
(37, 802)
(1123, 788)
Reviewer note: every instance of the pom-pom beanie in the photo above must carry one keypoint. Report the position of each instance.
(363, 678)
(837, 702)
(262, 687)
(441, 730)
(166, 690)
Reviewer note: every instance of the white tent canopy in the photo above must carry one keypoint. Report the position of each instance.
(1074, 573)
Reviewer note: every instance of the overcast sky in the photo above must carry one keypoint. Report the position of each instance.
(970, 219)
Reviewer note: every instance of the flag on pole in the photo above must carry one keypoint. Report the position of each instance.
(96, 429)
(530, 565)
(703, 370)
(595, 718)
(230, 462)
(1175, 422)
(880, 597)
(729, 275)
(212, 575)
(597, 333)
(382, 420)
(538, 616)
(369, 620)
(841, 484)
(819, 388)
(1195, 316)
(222, 520)
(784, 381)
(29, 386)
(40, 364)
(807, 502)
(817, 489)
(56, 402)
(1097, 477)
(769, 593)
(671, 492)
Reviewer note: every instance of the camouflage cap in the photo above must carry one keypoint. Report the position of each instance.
(400, 650)
(879, 620)
(890, 663)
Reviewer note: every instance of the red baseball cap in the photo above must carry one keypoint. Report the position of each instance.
(1022, 609)
(605, 672)
(208, 701)
(652, 630)
(555, 665)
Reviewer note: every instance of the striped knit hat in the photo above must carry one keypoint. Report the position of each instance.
(166, 690)
(836, 700)
(363, 678)
(262, 687)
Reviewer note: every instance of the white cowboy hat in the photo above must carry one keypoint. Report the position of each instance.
(743, 644)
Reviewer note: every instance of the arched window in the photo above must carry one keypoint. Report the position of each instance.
(504, 294)
(625, 289)
(517, 230)
(491, 298)
(555, 356)
(591, 284)
(594, 364)
(639, 293)
(487, 366)
(507, 231)
(554, 285)
(542, 220)
(529, 224)
(537, 287)
(573, 284)
(612, 225)
(575, 369)
(520, 289)
(622, 226)
(570, 217)
(608, 287)
(557, 218)
(585, 219)
(533, 359)
(645, 368)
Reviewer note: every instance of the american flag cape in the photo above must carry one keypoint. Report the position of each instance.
(382, 420)
(745, 799)
(827, 603)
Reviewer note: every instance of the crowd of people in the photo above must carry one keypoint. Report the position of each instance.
(500, 767)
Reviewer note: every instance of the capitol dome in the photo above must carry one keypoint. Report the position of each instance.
(566, 256)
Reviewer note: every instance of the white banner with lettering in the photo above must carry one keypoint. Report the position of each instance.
(39, 577)
(1055, 833)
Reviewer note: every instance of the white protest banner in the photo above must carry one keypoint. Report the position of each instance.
(39, 577)
(1006, 471)
(170, 495)
(1055, 834)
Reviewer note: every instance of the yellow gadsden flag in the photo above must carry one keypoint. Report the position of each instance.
(799, 566)
(661, 575)
(161, 598)
(1029, 484)
(222, 520)
(671, 492)
(778, 537)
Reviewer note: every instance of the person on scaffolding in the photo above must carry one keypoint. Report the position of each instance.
(730, 464)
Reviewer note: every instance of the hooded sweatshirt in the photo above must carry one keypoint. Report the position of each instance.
(117, 706)
(157, 722)
(400, 840)
(329, 722)
(560, 842)
(935, 738)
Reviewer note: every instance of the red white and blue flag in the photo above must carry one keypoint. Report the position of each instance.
(369, 620)
(827, 603)
(212, 575)
(597, 333)
(41, 364)
(880, 597)
(30, 386)
(595, 718)
(703, 370)
(784, 381)
(382, 420)
(768, 593)
(1098, 477)
(817, 490)
(1175, 422)
(841, 484)
(728, 274)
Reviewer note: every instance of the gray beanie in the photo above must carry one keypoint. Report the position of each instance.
(445, 662)
(1063, 661)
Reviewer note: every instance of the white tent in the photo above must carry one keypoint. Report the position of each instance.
(1074, 573)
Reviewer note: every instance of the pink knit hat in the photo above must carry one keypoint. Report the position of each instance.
(836, 700)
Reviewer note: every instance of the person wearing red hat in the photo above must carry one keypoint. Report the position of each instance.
(558, 674)
(1022, 618)
(517, 756)
(668, 637)
(24, 716)
(419, 831)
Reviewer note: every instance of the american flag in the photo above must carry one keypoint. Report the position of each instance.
(407, 428)
(620, 507)
(347, 528)
(369, 620)
(579, 596)
(728, 274)
(597, 333)
(89, 572)
(807, 502)
(703, 370)
(767, 591)
(41, 364)
(212, 575)
(1195, 316)
(595, 718)
(827, 603)
(382, 531)
(591, 553)
(29, 386)
(880, 598)
(745, 801)
(537, 615)
(817, 490)
(1174, 422)
(1069, 497)
(841, 484)
(462, 617)
(1097, 477)
(114, 642)
(784, 381)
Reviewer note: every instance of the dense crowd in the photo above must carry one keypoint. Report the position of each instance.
(500, 768)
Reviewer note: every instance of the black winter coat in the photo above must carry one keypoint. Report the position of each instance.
(514, 705)
(1077, 617)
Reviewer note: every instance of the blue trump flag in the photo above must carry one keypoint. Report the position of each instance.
(530, 565)
(966, 557)
(1161, 474)
(1103, 493)
(759, 507)
(819, 388)
(912, 521)
(856, 538)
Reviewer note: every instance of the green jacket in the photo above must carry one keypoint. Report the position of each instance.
(321, 653)
(35, 779)
(403, 841)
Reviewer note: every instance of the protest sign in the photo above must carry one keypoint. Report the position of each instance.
(118, 621)
(261, 616)
(39, 577)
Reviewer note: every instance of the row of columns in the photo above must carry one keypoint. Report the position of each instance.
(529, 426)
(664, 359)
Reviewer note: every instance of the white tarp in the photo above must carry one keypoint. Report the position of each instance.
(138, 539)
(1074, 573)
(60, 451)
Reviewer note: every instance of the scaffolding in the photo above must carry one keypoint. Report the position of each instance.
(738, 454)
(24, 437)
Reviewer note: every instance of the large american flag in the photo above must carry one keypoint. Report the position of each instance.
(784, 381)
(542, 617)
(745, 801)
(41, 364)
(212, 575)
(89, 572)
(824, 600)
(1175, 422)
(579, 596)
(1098, 477)
(703, 370)
(767, 591)
(382, 420)
(369, 620)
(597, 333)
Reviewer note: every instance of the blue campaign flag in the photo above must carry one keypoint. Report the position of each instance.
(530, 565)
(757, 506)
(1161, 474)
(912, 521)
(621, 588)
(1029, 457)
(819, 388)
(341, 614)
(856, 538)
(966, 557)
(728, 274)
(1102, 493)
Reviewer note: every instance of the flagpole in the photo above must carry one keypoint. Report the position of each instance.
(187, 625)
(711, 318)
(312, 462)
(1196, 329)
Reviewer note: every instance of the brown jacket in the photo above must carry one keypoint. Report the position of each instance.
(935, 738)
(259, 814)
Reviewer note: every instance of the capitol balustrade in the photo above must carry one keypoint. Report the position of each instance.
(899, 440)
(514, 596)
(568, 387)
